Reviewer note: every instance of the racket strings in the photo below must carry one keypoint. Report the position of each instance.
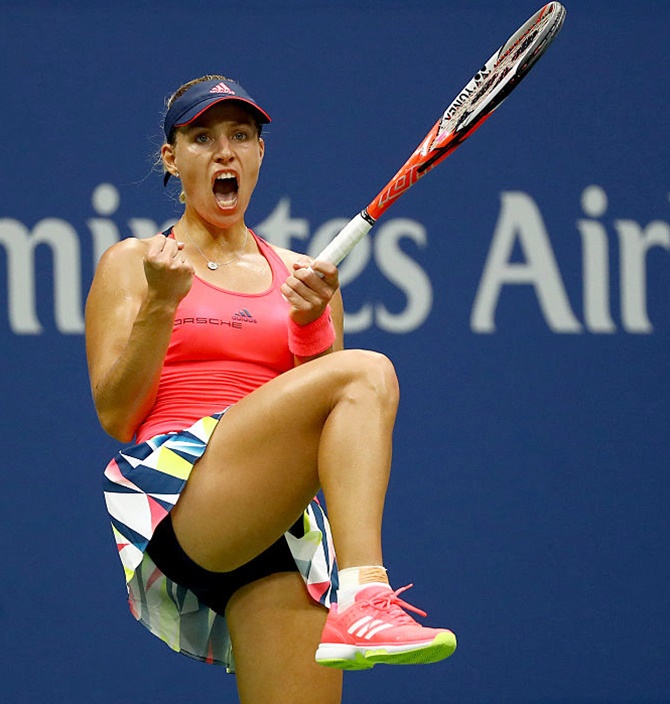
(487, 80)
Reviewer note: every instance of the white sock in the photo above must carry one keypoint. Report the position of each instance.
(353, 579)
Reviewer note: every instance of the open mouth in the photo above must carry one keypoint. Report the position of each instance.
(225, 190)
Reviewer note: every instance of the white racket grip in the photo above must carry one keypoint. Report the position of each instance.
(345, 240)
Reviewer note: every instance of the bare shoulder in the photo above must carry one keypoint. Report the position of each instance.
(125, 258)
(124, 252)
(286, 255)
(121, 269)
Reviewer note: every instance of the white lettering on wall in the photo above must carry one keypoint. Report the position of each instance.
(635, 243)
(402, 271)
(20, 246)
(520, 227)
(595, 263)
(520, 223)
(279, 227)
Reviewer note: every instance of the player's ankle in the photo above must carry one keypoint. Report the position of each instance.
(353, 579)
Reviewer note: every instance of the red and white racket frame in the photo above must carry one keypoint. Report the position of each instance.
(468, 111)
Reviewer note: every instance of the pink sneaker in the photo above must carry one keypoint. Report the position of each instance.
(376, 629)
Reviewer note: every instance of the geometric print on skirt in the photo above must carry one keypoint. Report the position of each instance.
(142, 483)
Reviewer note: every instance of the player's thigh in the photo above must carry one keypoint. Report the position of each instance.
(295, 406)
(275, 431)
(275, 628)
(260, 469)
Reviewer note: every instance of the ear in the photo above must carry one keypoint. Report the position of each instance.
(261, 146)
(168, 158)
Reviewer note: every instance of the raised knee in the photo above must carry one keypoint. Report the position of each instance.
(374, 372)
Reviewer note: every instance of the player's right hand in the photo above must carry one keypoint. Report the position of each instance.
(168, 270)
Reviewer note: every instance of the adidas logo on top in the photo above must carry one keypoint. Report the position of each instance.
(222, 88)
(245, 316)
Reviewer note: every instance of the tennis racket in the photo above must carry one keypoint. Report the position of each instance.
(471, 108)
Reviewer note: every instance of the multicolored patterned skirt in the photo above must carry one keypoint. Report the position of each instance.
(142, 484)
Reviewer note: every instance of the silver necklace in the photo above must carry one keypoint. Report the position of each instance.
(215, 265)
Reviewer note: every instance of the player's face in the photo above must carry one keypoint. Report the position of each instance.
(218, 158)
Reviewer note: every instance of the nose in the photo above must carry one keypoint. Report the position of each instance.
(224, 148)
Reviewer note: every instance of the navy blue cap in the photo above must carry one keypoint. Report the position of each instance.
(200, 97)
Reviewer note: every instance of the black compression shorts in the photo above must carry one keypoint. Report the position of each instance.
(215, 588)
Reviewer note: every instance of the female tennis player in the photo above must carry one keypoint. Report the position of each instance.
(217, 359)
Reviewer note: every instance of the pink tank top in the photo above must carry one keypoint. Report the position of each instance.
(224, 345)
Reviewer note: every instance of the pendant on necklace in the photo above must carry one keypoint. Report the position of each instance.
(212, 265)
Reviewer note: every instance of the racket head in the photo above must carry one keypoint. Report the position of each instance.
(497, 78)
(484, 93)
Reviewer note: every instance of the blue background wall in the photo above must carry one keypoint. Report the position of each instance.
(530, 495)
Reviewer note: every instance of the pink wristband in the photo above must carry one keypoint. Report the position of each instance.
(311, 339)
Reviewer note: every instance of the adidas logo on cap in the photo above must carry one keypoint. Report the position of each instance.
(222, 88)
